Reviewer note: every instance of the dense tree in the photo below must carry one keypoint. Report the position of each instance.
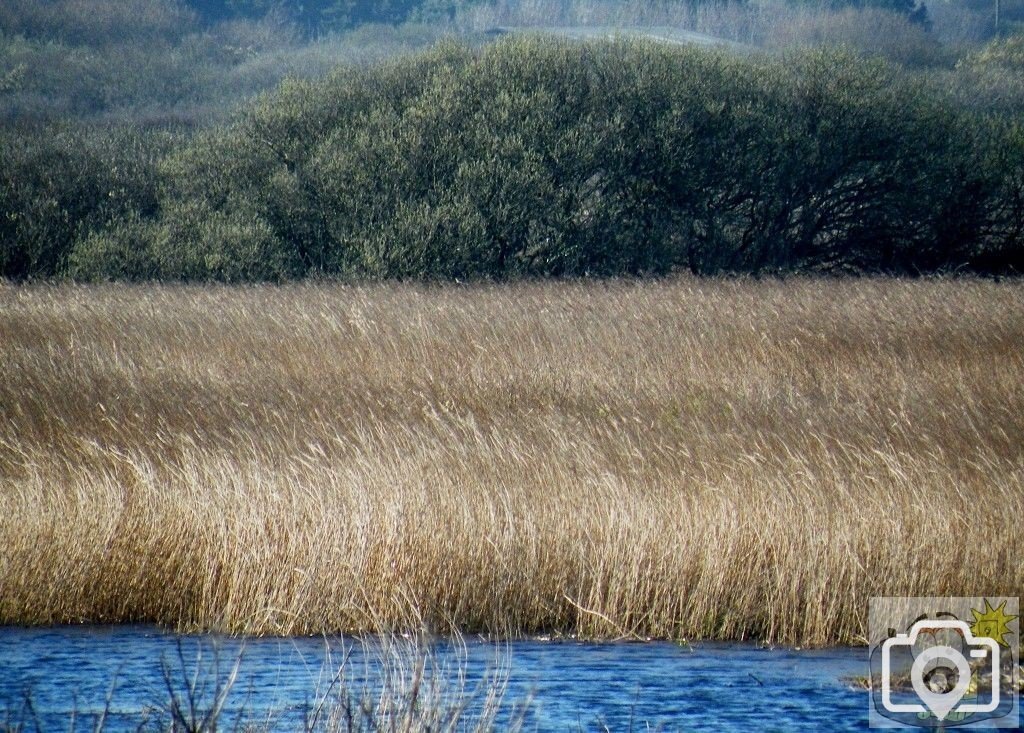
(529, 157)
(536, 157)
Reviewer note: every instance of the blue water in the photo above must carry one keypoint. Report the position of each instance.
(80, 671)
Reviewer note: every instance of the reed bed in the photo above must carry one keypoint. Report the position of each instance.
(679, 458)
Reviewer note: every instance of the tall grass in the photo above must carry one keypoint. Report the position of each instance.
(680, 458)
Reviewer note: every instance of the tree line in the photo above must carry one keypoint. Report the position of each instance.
(534, 157)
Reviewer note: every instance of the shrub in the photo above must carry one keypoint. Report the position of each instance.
(871, 31)
(97, 22)
(191, 242)
(536, 157)
(194, 242)
(1005, 53)
(121, 251)
(60, 184)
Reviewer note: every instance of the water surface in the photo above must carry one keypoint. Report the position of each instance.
(569, 685)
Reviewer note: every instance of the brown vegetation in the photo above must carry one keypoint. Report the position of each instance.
(681, 458)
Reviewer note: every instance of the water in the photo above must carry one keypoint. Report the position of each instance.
(570, 686)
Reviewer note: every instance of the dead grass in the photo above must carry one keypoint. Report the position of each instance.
(687, 459)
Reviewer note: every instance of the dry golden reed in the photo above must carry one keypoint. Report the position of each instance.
(681, 458)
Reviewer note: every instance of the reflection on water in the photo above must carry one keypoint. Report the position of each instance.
(724, 687)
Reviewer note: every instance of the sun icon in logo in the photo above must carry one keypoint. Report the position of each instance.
(993, 623)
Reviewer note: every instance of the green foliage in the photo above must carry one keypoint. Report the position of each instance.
(140, 59)
(534, 157)
(118, 251)
(190, 243)
(872, 31)
(194, 242)
(97, 22)
(1003, 168)
(59, 184)
(1005, 53)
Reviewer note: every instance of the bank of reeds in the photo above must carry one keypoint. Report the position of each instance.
(680, 458)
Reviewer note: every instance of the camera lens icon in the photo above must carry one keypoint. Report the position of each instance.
(940, 675)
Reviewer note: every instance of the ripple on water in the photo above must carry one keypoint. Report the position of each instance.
(724, 687)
